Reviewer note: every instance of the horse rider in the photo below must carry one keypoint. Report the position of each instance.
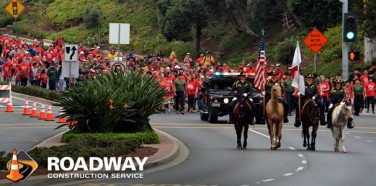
(239, 88)
(310, 93)
(337, 94)
(268, 87)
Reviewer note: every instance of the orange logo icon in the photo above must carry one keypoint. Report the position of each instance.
(21, 166)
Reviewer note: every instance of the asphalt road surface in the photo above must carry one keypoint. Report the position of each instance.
(214, 160)
(22, 132)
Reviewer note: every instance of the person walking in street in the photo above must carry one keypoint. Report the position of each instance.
(289, 93)
(180, 84)
(53, 76)
(370, 94)
(359, 95)
(191, 89)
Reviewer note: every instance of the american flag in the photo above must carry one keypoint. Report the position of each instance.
(260, 68)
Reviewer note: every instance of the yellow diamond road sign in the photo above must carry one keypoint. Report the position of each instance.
(15, 8)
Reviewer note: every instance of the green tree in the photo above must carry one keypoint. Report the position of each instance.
(370, 19)
(178, 17)
(321, 14)
(91, 19)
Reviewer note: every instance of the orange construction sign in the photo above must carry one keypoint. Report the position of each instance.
(315, 40)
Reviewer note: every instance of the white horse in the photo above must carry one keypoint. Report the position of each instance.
(340, 116)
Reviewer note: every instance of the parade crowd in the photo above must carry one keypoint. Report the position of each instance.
(34, 64)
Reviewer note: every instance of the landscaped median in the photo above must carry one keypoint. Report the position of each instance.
(111, 116)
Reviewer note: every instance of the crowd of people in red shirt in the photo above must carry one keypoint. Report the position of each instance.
(38, 65)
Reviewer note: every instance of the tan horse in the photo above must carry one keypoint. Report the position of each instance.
(340, 116)
(274, 117)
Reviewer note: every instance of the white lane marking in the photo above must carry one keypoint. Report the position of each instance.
(288, 174)
(299, 169)
(357, 137)
(370, 141)
(301, 155)
(259, 133)
(267, 180)
(304, 161)
(291, 148)
(258, 182)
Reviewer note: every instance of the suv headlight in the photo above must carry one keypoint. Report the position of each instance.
(225, 100)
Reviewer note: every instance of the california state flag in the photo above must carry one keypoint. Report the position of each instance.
(298, 81)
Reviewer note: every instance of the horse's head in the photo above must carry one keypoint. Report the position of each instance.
(243, 106)
(277, 92)
(243, 98)
(347, 109)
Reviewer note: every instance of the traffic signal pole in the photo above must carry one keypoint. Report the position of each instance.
(345, 47)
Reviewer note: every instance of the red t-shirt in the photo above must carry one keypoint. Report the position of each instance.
(24, 69)
(370, 88)
(49, 56)
(226, 69)
(7, 69)
(191, 87)
(169, 88)
(324, 87)
(363, 79)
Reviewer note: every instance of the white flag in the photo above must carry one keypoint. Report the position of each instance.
(298, 81)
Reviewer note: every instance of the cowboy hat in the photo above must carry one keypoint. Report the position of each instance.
(309, 75)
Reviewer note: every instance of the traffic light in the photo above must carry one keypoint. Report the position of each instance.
(350, 30)
(15, 8)
(354, 55)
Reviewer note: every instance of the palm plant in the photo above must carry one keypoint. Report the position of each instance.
(116, 102)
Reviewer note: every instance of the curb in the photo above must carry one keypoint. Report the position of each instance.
(51, 141)
(166, 158)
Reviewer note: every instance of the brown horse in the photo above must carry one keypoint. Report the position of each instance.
(242, 117)
(274, 117)
(310, 117)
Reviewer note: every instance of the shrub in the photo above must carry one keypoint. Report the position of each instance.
(86, 146)
(113, 103)
(37, 92)
(146, 137)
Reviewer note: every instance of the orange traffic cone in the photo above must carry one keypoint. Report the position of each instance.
(42, 114)
(14, 174)
(26, 108)
(34, 113)
(61, 119)
(9, 107)
(50, 116)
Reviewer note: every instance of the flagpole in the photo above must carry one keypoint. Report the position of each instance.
(263, 76)
(299, 104)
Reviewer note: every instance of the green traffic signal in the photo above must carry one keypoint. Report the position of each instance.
(350, 27)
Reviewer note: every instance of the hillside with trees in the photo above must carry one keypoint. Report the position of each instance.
(231, 29)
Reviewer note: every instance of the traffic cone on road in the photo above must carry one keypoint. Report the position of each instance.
(14, 173)
(50, 116)
(61, 119)
(9, 107)
(26, 108)
(34, 113)
(42, 114)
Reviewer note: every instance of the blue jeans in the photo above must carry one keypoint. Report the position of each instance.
(62, 85)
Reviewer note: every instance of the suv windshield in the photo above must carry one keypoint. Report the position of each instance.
(220, 83)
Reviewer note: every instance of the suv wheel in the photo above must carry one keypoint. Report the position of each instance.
(213, 115)
(203, 116)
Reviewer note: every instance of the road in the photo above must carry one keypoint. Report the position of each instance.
(214, 160)
(22, 132)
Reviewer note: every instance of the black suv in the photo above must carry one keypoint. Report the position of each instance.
(216, 97)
